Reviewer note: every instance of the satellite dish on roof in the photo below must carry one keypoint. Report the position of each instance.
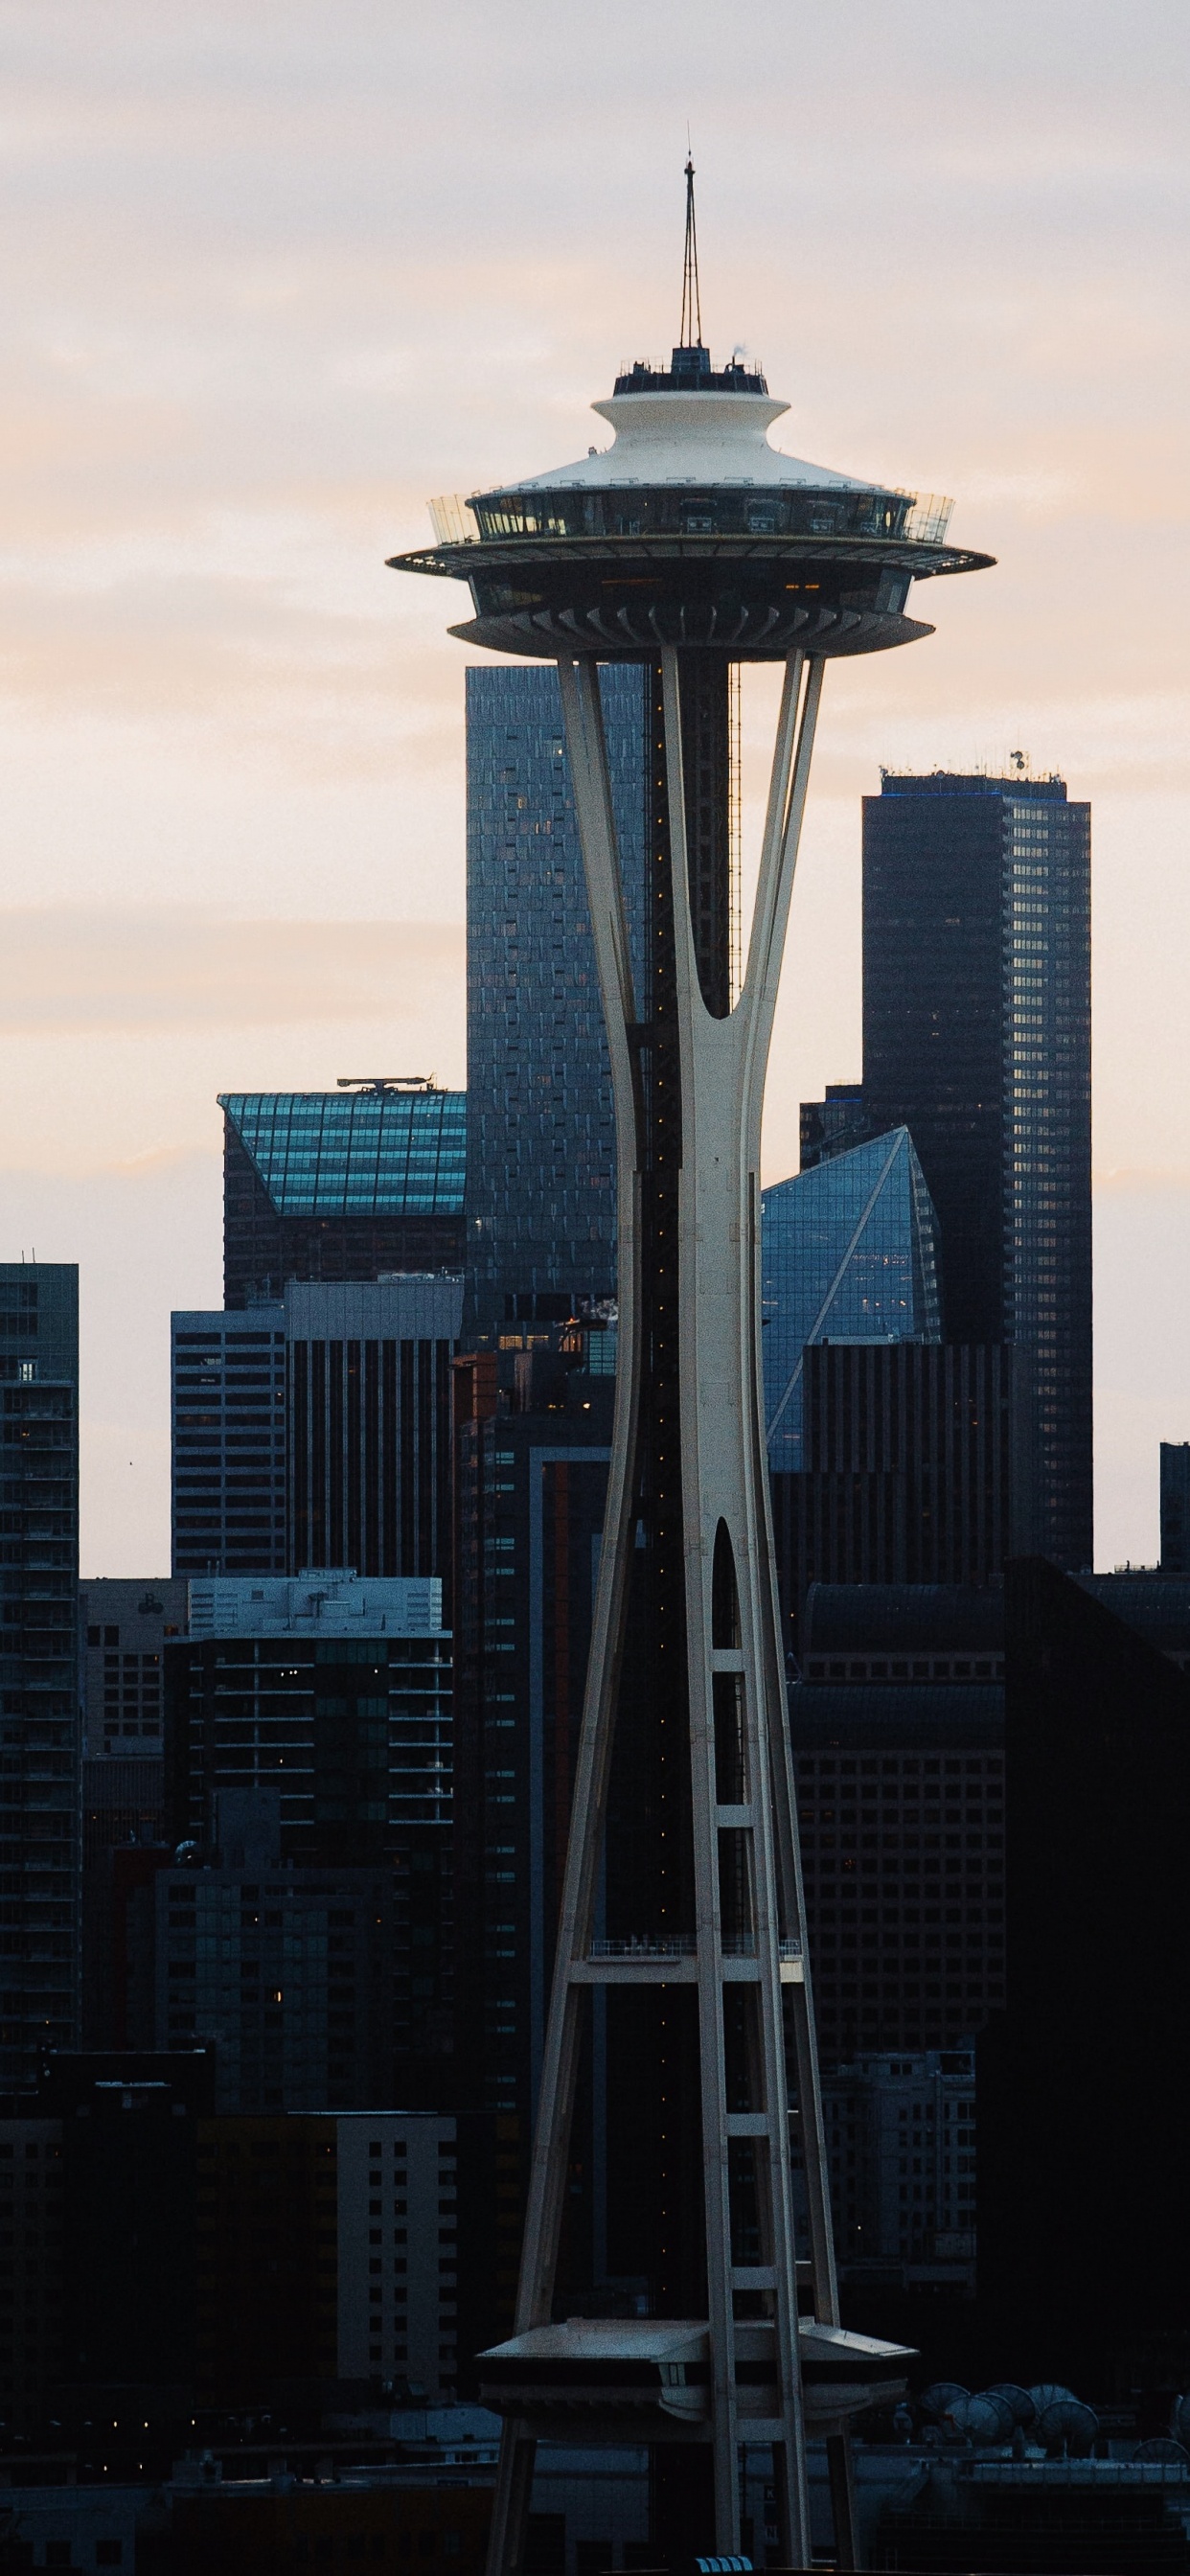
(1179, 2419)
(1170, 2455)
(939, 2399)
(1046, 2393)
(1023, 2409)
(985, 2418)
(1068, 2427)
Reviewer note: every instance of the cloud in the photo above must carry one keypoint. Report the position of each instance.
(67, 972)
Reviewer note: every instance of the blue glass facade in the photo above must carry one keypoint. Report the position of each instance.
(376, 1153)
(848, 1255)
(541, 1166)
(339, 1185)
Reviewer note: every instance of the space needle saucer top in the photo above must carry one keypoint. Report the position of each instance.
(690, 529)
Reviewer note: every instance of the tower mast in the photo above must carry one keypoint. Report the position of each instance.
(690, 333)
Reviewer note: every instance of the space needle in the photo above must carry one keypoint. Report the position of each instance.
(689, 545)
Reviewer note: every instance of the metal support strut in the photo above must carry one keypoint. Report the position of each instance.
(749, 1953)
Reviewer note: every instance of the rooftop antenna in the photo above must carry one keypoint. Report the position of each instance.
(690, 335)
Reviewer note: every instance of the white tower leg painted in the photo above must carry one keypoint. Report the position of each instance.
(743, 1811)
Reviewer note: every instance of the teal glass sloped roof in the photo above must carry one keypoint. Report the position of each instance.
(848, 1254)
(355, 1153)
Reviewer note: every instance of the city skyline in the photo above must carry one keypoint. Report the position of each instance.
(217, 707)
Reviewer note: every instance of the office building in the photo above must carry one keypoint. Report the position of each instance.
(1083, 2081)
(541, 1167)
(39, 1679)
(368, 1374)
(287, 1973)
(229, 1446)
(833, 1124)
(123, 1626)
(848, 1254)
(344, 1184)
(128, 2126)
(317, 1431)
(977, 1037)
(530, 1488)
(31, 2273)
(901, 2144)
(916, 1469)
(898, 1746)
(1175, 1507)
(335, 1692)
(173, 2258)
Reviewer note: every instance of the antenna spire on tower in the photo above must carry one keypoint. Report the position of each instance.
(690, 335)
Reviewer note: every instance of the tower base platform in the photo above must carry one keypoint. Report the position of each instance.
(647, 2379)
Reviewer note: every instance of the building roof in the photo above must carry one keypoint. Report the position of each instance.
(869, 1716)
(694, 436)
(1156, 1605)
(381, 1152)
(904, 1618)
(320, 1602)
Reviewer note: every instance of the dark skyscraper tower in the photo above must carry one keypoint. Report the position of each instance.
(39, 1692)
(977, 1036)
(541, 1161)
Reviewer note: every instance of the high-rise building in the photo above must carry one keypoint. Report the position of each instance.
(541, 1165)
(229, 1441)
(286, 1972)
(1175, 1507)
(898, 1745)
(1082, 2083)
(848, 1254)
(39, 1682)
(901, 2141)
(317, 1431)
(31, 2279)
(329, 2249)
(368, 1409)
(977, 1037)
(833, 1124)
(123, 1628)
(129, 2131)
(342, 1184)
(916, 1469)
(530, 1490)
(336, 1692)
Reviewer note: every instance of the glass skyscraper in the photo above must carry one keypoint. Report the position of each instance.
(541, 1168)
(39, 1679)
(848, 1255)
(977, 1037)
(342, 1184)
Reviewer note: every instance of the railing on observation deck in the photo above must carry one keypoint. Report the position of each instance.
(757, 510)
(682, 1945)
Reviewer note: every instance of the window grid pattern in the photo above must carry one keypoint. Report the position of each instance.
(903, 1853)
(541, 1143)
(848, 1255)
(371, 1153)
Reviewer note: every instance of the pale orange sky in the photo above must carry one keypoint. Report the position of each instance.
(274, 272)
